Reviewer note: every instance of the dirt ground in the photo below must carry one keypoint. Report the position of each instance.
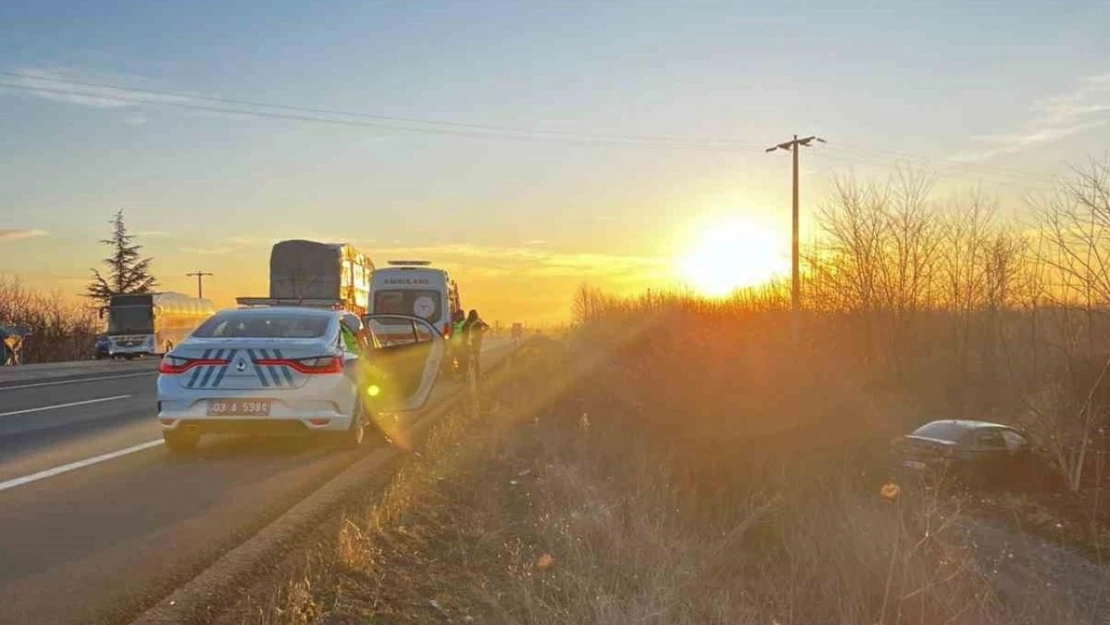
(1038, 579)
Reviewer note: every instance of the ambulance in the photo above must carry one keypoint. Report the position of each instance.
(413, 287)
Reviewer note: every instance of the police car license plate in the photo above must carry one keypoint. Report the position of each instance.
(239, 407)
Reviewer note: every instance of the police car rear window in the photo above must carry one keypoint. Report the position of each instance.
(254, 325)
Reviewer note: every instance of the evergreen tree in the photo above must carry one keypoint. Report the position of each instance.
(128, 271)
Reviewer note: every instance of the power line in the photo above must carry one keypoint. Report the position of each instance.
(1009, 171)
(320, 120)
(368, 124)
(464, 129)
(886, 164)
(491, 128)
(949, 174)
(894, 161)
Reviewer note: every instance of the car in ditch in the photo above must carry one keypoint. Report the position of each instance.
(292, 370)
(973, 453)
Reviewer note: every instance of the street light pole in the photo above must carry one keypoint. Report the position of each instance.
(795, 283)
(200, 281)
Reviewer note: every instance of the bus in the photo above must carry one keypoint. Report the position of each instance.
(151, 323)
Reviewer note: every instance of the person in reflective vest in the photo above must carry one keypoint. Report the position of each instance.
(458, 342)
(458, 320)
(350, 331)
(350, 341)
(473, 330)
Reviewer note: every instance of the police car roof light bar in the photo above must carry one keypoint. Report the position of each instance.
(415, 263)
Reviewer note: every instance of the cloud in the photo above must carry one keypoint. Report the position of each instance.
(152, 233)
(15, 234)
(498, 263)
(241, 241)
(517, 261)
(209, 251)
(237, 243)
(228, 245)
(535, 242)
(325, 237)
(48, 84)
(1085, 107)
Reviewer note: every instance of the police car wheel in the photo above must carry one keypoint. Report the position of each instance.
(180, 442)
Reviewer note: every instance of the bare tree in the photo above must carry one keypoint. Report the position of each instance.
(589, 303)
(1076, 225)
(61, 329)
(880, 257)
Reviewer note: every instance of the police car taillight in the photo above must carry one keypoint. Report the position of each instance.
(175, 365)
(322, 364)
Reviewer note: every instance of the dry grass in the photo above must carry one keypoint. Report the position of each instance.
(566, 502)
(680, 460)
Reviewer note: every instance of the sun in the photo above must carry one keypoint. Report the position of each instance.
(731, 255)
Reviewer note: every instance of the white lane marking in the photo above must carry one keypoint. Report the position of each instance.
(69, 405)
(65, 468)
(105, 377)
(73, 466)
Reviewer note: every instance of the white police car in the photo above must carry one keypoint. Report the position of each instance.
(287, 370)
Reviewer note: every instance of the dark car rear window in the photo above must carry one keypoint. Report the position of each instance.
(285, 325)
(942, 431)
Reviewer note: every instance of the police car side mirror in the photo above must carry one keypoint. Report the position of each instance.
(400, 374)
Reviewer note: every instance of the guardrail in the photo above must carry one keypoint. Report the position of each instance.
(52, 370)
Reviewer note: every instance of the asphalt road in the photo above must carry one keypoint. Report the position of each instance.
(96, 518)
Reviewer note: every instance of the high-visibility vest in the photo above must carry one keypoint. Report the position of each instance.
(350, 340)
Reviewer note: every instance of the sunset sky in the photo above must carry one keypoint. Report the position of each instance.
(578, 187)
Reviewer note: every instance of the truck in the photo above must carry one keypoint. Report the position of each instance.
(141, 324)
(320, 275)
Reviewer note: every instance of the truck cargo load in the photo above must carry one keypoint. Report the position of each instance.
(321, 275)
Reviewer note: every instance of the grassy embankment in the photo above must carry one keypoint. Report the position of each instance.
(652, 472)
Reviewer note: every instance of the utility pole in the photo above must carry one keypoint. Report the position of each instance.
(795, 286)
(200, 281)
